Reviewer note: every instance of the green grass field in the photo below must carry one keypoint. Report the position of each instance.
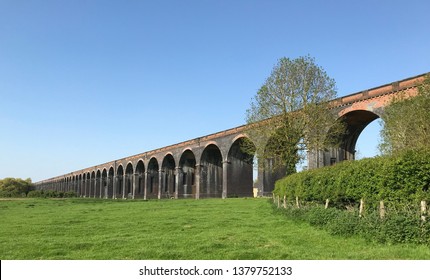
(208, 229)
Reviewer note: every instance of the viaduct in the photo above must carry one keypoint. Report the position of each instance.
(215, 165)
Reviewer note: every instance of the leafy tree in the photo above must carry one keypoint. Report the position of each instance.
(11, 187)
(406, 121)
(290, 113)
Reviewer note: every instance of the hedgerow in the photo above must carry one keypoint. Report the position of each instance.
(398, 179)
(398, 226)
(50, 194)
(401, 181)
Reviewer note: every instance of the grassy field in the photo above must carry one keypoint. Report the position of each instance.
(172, 229)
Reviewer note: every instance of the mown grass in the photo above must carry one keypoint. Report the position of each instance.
(173, 229)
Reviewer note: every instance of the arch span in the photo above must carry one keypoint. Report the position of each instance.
(128, 181)
(356, 122)
(153, 183)
(167, 184)
(140, 179)
(187, 175)
(119, 182)
(240, 168)
(110, 183)
(211, 171)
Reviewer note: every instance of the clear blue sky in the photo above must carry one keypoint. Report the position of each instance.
(86, 82)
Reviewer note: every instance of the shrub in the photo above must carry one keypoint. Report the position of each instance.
(345, 223)
(320, 217)
(51, 194)
(15, 187)
(404, 177)
(399, 226)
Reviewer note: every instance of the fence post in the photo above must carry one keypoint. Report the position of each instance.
(285, 201)
(327, 201)
(279, 201)
(297, 202)
(423, 210)
(361, 208)
(273, 197)
(381, 210)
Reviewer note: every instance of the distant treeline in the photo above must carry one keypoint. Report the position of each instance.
(16, 187)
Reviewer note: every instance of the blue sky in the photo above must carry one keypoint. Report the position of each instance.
(86, 82)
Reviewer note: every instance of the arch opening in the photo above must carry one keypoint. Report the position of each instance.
(140, 179)
(110, 183)
(186, 177)
(168, 187)
(119, 182)
(80, 185)
(356, 122)
(153, 170)
(211, 172)
(93, 184)
(104, 185)
(240, 181)
(271, 168)
(128, 181)
(98, 184)
(87, 185)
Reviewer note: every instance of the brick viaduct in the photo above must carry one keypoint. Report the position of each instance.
(214, 165)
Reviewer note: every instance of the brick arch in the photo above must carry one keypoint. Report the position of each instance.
(128, 180)
(211, 171)
(140, 179)
(98, 183)
(167, 183)
(187, 174)
(153, 178)
(110, 182)
(119, 182)
(240, 168)
(356, 121)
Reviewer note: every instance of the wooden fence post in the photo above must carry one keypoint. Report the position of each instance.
(279, 201)
(381, 210)
(361, 208)
(285, 201)
(327, 201)
(423, 210)
(297, 202)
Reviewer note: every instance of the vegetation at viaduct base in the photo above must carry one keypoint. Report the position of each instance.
(15, 187)
(386, 197)
(381, 198)
(403, 178)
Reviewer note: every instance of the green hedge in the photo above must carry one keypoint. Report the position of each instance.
(51, 194)
(402, 178)
(403, 226)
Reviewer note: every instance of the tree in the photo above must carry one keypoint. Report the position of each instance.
(13, 187)
(406, 121)
(290, 113)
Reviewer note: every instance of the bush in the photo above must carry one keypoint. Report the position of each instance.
(397, 227)
(320, 217)
(51, 194)
(15, 187)
(345, 223)
(401, 178)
